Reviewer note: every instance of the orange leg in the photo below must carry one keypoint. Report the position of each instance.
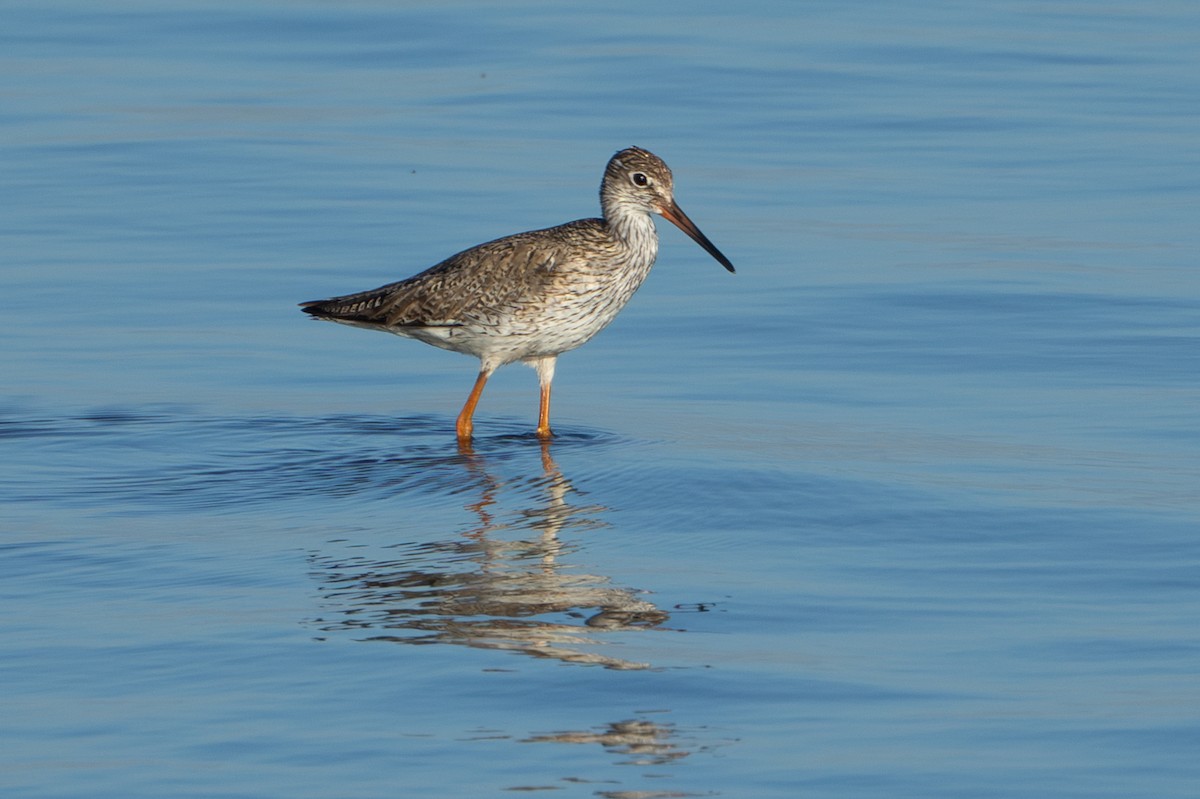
(545, 370)
(543, 428)
(464, 425)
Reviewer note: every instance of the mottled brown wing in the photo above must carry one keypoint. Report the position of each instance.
(480, 282)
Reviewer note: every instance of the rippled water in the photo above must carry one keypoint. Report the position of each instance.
(906, 507)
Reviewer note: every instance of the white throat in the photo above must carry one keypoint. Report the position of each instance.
(635, 228)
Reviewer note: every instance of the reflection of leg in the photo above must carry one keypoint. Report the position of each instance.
(545, 370)
(549, 467)
(465, 425)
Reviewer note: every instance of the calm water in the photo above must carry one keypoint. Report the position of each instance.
(907, 507)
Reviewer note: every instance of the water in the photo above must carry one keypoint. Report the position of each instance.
(906, 507)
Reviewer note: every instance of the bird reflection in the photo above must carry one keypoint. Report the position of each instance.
(504, 583)
(646, 743)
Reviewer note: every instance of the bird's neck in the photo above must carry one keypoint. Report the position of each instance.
(634, 228)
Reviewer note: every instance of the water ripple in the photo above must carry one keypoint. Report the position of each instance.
(123, 461)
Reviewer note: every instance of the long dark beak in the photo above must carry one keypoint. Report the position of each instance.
(675, 215)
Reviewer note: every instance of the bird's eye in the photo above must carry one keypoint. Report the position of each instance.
(640, 179)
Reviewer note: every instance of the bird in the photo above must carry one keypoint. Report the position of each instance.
(532, 296)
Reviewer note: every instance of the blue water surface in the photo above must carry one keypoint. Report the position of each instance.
(906, 507)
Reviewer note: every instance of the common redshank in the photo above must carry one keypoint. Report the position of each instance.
(532, 296)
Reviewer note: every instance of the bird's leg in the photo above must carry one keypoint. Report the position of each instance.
(464, 426)
(543, 428)
(545, 370)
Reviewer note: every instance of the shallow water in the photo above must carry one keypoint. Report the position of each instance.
(905, 507)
